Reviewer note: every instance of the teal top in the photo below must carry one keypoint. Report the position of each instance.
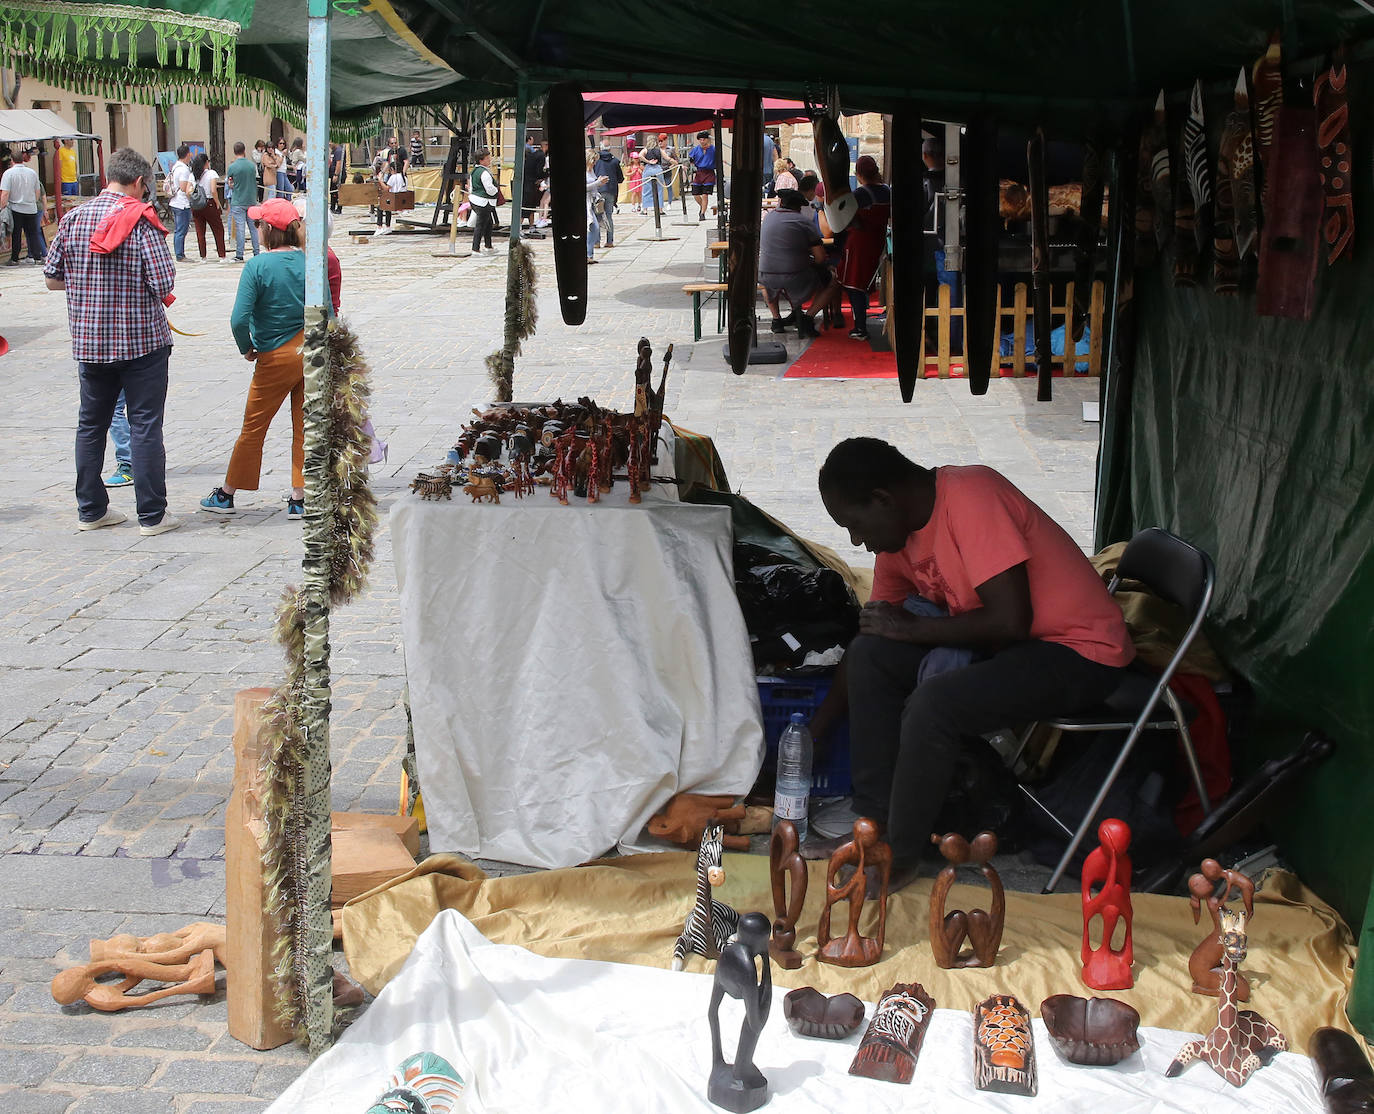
(270, 307)
(243, 180)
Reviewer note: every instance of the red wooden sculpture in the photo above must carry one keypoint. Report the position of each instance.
(785, 865)
(861, 852)
(1107, 899)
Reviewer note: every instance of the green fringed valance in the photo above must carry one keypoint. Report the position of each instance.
(144, 86)
(36, 31)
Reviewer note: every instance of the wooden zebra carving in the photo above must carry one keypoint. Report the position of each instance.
(1237, 229)
(1242, 1041)
(711, 923)
(1154, 217)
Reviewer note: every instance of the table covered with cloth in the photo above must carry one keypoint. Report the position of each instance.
(571, 668)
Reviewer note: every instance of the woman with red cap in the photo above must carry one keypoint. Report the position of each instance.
(268, 321)
(865, 241)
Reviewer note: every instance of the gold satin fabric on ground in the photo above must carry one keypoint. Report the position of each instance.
(631, 910)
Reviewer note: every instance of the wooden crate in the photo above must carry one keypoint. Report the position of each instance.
(402, 201)
(358, 193)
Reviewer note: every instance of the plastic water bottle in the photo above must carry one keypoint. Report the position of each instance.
(794, 774)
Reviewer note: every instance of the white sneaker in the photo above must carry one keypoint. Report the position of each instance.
(163, 526)
(111, 517)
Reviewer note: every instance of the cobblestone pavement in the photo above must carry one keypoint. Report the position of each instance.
(120, 654)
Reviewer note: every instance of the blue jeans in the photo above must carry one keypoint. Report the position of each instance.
(143, 382)
(239, 215)
(283, 185)
(119, 434)
(183, 223)
(593, 237)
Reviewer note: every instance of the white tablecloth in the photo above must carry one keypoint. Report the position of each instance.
(530, 1034)
(571, 668)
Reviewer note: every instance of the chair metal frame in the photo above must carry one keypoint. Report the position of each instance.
(1146, 720)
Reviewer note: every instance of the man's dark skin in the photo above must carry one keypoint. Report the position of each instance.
(882, 525)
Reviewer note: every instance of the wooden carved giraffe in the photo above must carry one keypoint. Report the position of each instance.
(1242, 1040)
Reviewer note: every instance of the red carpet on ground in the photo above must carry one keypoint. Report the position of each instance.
(833, 355)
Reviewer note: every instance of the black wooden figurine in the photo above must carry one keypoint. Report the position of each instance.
(741, 1086)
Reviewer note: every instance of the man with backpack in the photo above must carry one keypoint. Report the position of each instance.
(609, 170)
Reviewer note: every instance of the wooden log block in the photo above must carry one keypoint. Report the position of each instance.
(406, 828)
(251, 930)
(363, 858)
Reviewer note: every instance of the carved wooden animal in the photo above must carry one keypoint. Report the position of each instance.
(786, 869)
(687, 815)
(982, 930)
(1243, 1041)
(482, 489)
(711, 923)
(1216, 887)
(433, 485)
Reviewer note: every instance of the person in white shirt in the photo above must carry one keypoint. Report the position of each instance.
(21, 191)
(206, 176)
(482, 195)
(179, 187)
(395, 182)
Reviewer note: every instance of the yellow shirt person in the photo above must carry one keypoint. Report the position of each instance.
(66, 163)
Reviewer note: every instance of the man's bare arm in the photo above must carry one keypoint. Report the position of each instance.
(1004, 618)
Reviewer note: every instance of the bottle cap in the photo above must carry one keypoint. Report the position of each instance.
(799, 718)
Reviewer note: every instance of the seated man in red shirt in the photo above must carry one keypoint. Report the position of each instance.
(1049, 640)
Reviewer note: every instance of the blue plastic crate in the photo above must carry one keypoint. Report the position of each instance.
(779, 698)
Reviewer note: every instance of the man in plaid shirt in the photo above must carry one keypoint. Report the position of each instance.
(120, 341)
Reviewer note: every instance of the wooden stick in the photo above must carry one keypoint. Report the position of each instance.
(1040, 264)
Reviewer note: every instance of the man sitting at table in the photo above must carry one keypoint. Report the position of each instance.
(792, 262)
(1006, 582)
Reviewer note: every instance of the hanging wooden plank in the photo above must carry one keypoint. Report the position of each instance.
(1066, 361)
(1040, 263)
(1333, 142)
(1291, 241)
(746, 192)
(907, 308)
(565, 129)
(982, 225)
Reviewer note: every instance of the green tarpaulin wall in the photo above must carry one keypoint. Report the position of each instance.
(1254, 437)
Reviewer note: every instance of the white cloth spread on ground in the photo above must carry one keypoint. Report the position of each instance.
(530, 1034)
(571, 668)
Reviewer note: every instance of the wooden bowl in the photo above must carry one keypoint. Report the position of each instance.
(810, 1013)
(1096, 1032)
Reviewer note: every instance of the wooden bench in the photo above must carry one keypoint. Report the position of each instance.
(710, 289)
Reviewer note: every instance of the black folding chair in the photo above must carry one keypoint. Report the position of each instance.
(1184, 575)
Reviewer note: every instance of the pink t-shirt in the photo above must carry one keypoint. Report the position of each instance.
(983, 525)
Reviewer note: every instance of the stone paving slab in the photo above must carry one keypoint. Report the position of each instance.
(120, 655)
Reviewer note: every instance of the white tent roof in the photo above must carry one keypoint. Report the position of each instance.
(29, 125)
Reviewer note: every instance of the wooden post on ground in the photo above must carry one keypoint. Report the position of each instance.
(251, 930)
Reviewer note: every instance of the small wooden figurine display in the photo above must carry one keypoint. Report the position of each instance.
(787, 871)
(892, 1041)
(1242, 1041)
(863, 851)
(711, 923)
(1094, 1032)
(687, 815)
(1107, 900)
(1344, 1076)
(196, 975)
(741, 1086)
(981, 929)
(1003, 1047)
(810, 1013)
(1217, 887)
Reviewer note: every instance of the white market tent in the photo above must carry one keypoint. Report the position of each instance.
(20, 126)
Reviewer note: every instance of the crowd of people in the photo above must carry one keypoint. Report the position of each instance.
(111, 258)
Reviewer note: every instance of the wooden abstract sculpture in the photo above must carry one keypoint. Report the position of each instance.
(978, 152)
(786, 865)
(565, 128)
(1094, 1032)
(892, 1041)
(1333, 142)
(1242, 1041)
(741, 1086)
(1107, 900)
(1344, 1076)
(1217, 888)
(746, 184)
(1040, 265)
(1290, 242)
(711, 923)
(687, 815)
(864, 850)
(1003, 1047)
(981, 929)
(165, 947)
(810, 1013)
(1237, 223)
(194, 976)
(908, 242)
